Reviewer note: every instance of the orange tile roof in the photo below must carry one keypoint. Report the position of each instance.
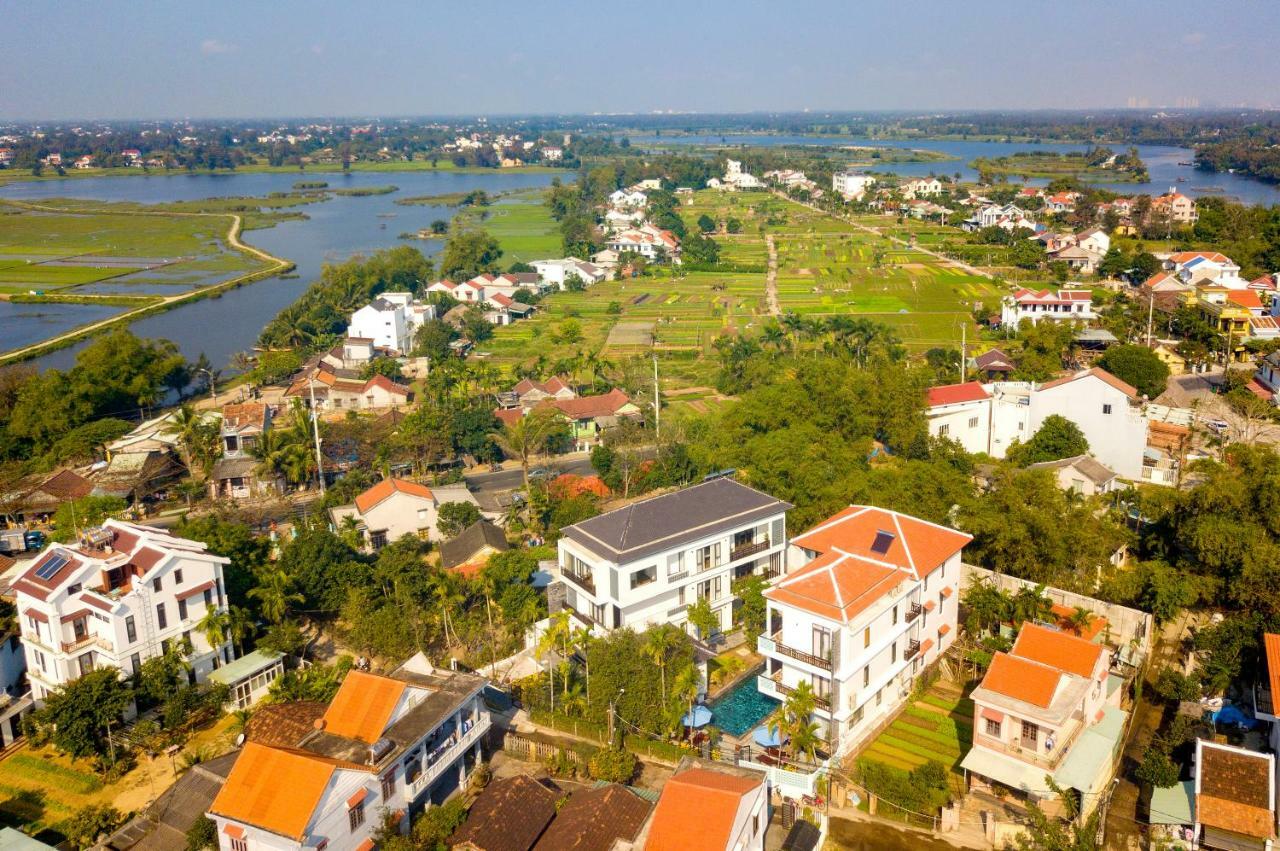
(1097, 623)
(917, 545)
(1096, 372)
(951, 394)
(385, 488)
(1234, 790)
(363, 706)
(276, 789)
(1245, 298)
(697, 810)
(837, 586)
(1212, 256)
(1271, 644)
(1022, 679)
(1057, 649)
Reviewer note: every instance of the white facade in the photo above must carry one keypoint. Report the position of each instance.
(878, 621)
(655, 582)
(118, 601)
(390, 321)
(555, 273)
(1029, 306)
(852, 185)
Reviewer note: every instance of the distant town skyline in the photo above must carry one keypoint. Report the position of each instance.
(288, 58)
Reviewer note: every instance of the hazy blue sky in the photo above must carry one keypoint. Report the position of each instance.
(120, 59)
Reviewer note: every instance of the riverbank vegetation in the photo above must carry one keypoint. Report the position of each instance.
(1096, 164)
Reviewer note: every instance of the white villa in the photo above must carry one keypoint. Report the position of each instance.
(852, 185)
(921, 187)
(121, 595)
(1033, 306)
(390, 321)
(555, 273)
(870, 598)
(645, 563)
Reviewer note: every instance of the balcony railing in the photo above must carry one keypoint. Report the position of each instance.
(913, 648)
(744, 550)
(914, 612)
(581, 580)
(783, 689)
(773, 644)
(449, 758)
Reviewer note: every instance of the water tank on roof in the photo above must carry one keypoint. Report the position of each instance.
(379, 749)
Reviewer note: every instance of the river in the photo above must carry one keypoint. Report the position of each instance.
(1162, 161)
(219, 327)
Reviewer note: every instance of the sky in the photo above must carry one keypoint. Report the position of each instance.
(125, 59)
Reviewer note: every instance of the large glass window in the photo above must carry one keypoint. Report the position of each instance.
(645, 576)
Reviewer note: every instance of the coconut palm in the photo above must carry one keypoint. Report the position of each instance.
(557, 627)
(1080, 619)
(197, 439)
(1031, 604)
(215, 625)
(526, 437)
(276, 595)
(685, 686)
(449, 598)
(239, 626)
(581, 642)
(797, 718)
(658, 643)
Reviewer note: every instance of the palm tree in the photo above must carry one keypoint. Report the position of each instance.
(581, 642)
(660, 641)
(685, 685)
(1080, 620)
(276, 596)
(557, 627)
(215, 625)
(526, 437)
(444, 588)
(195, 437)
(239, 627)
(797, 718)
(1031, 604)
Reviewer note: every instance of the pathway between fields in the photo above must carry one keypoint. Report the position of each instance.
(276, 265)
(771, 278)
(950, 261)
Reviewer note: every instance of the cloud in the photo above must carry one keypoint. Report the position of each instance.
(1193, 38)
(214, 47)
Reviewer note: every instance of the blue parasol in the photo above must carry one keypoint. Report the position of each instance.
(699, 717)
(766, 737)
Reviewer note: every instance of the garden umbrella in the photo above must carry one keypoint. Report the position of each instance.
(766, 737)
(699, 716)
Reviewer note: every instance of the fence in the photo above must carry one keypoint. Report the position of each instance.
(598, 733)
(1128, 629)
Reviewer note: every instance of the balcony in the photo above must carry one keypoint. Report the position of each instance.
(781, 690)
(913, 649)
(1034, 752)
(914, 612)
(745, 550)
(773, 645)
(448, 758)
(582, 580)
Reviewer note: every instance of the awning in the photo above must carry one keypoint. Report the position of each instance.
(191, 592)
(36, 614)
(246, 666)
(992, 714)
(1174, 805)
(357, 799)
(1088, 765)
(1012, 772)
(233, 831)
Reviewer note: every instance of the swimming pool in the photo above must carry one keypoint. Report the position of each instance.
(739, 710)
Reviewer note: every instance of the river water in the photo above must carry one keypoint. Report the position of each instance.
(219, 327)
(1162, 162)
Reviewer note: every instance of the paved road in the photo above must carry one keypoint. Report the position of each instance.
(276, 265)
(489, 486)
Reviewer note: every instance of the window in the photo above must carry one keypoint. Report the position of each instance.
(378, 540)
(130, 629)
(673, 564)
(893, 652)
(895, 615)
(389, 786)
(161, 619)
(240, 844)
(1030, 733)
(866, 676)
(355, 816)
(973, 422)
(1106, 409)
(182, 610)
(866, 637)
(993, 728)
(208, 598)
(715, 588)
(644, 577)
(177, 576)
(135, 663)
(156, 584)
(40, 660)
(944, 429)
(74, 589)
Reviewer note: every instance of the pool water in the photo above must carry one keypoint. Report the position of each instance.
(742, 708)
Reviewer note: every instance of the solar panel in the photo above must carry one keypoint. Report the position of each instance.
(883, 541)
(56, 562)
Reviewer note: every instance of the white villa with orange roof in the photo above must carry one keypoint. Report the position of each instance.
(870, 599)
(1047, 707)
(1178, 207)
(124, 594)
(1195, 267)
(1033, 306)
(394, 508)
(384, 747)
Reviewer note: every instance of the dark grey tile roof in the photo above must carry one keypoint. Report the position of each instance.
(163, 825)
(662, 522)
(470, 541)
(1098, 472)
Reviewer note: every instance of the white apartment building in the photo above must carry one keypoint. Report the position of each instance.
(851, 184)
(989, 417)
(123, 594)
(391, 320)
(384, 745)
(871, 597)
(647, 562)
(555, 273)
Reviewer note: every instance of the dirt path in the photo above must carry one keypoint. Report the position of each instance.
(941, 258)
(771, 278)
(275, 265)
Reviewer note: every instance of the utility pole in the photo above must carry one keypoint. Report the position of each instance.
(964, 349)
(657, 402)
(1151, 309)
(315, 427)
